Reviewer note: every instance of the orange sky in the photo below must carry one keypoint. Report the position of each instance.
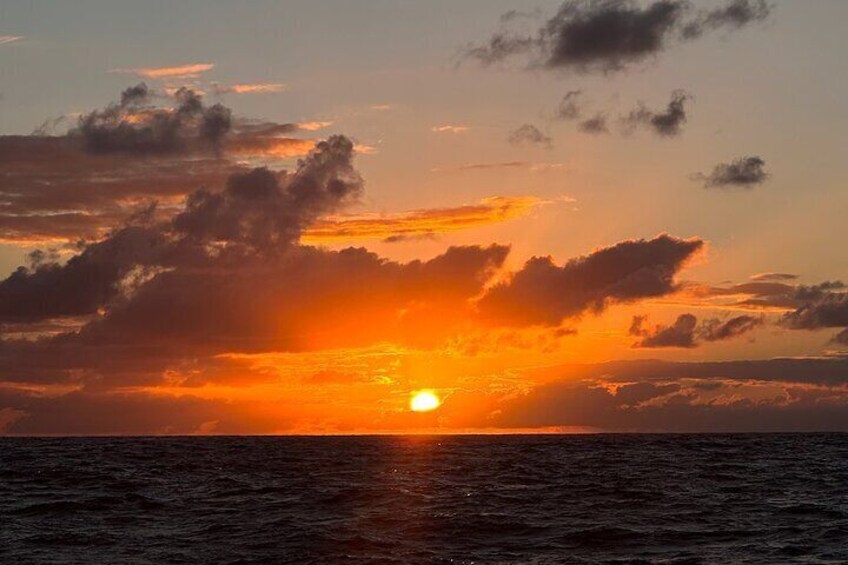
(549, 235)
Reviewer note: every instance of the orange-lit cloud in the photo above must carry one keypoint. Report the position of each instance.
(252, 88)
(276, 147)
(315, 125)
(449, 128)
(181, 71)
(419, 223)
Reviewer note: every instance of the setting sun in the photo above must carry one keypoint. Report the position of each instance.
(424, 401)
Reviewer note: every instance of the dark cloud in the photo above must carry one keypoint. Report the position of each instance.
(685, 331)
(258, 213)
(529, 134)
(114, 413)
(138, 94)
(544, 293)
(612, 35)
(651, 395)
(255, 209)
(719, 330)
(765, 277)
(735, 14)
(679, 334)
(745, 172)
(594, 125)
(667, 123)
(771, 293)
(119, 128)
(149, 146)
(568, 108)
(822, 309)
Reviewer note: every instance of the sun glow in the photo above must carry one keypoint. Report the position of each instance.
(424, 401)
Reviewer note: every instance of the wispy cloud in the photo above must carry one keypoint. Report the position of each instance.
(181, 71)
(314, 126)
(253, 88)
(449, 128)
(10, 38)
(530, 165)
(420, 223)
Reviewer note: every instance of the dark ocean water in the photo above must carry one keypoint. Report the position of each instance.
(496, 499)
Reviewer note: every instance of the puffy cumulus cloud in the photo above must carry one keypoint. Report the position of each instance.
(544, 293)
(529, 135)
(685, 331)
(612, 35)
(666, 123)
(744, 172)
(256, 210)
(116, 160)
(258, 213)
(124, 128)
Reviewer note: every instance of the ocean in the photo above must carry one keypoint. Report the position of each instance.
(664, 498)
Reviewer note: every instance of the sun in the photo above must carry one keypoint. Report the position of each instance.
(424, 401)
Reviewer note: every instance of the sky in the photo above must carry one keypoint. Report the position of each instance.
(293, 217)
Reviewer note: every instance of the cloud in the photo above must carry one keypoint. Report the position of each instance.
(420, 223)
(123, 128)
(542, 293)
(181, 71)
(735, 14)
(314, 125)
(528, 135)
(744, 172)
(568, 108)
(665, 124)
(679, 334)
(258, 212)
(116, 160)
(449, 128)
(767, 277)
(765, 294)
(251, 88)
(644, 396)
(824, 306)
(597, 124)
(531, 165)
(718, 330)
(613, 35)
(4, 39)
(686, 333)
